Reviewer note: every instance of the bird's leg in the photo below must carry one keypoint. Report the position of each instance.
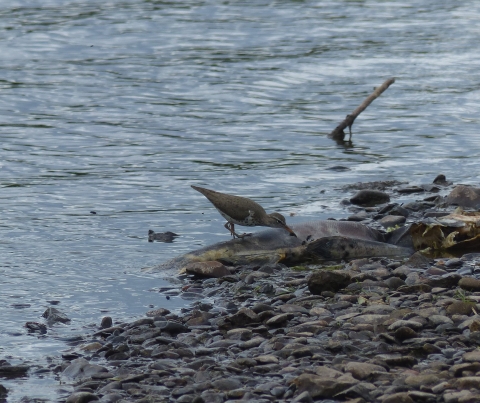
(231, 227)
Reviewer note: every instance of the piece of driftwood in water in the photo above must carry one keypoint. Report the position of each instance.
(338, 134)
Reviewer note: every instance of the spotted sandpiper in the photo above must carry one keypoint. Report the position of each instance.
(242, 211)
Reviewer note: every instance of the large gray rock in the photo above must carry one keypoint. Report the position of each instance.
(464, 196)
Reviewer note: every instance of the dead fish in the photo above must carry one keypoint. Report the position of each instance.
(275, 245)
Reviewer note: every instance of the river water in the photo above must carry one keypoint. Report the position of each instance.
(117, 107)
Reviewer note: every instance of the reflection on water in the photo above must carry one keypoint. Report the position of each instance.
(117, 107)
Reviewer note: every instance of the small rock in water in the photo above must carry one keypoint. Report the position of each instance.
(369, 198)
(441, 179)
(12, 371)
(53, 315)
(35, 327)
(106, 322)
(167, 237)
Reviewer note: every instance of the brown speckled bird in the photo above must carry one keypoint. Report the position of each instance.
(242, 211)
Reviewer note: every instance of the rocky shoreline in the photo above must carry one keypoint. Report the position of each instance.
(370, 330)
(396, 333)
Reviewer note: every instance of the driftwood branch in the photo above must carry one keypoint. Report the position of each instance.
(338, 133)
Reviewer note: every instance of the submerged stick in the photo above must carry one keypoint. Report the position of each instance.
(338, 133)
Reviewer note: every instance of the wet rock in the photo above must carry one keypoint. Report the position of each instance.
(369, 319)
(303, 397)
(369, 198)
(81, 368)
(473, 356)
(313, 327)
(91, 346)
(404, 332)
(463, 396)
(396, 360)
(158, 312)
(279, 320)
(81, 397)
(106, 322)
(435, 271)
(171, 327)
(53, 315)
(326, 280)
(167, 237)
(468, 382)
(402, 271)
(35, 327)
(378, 309)
(459, 369)
(417, 260)
(440, 179)
(319, 387)
(252, 343)
(453, 263)
(295, 309)
(227, 384)
(199, 319)
(446, 281)
(414, 289)
(211, 397)
(439, 320)
(418, 380)
(12, 371)
(405, 323)
(469, 284)
(243, 317)
(363, 370)
(464, 196)
(326, 372)
(212, 269)
(460, 308)
(410, 189)
(394, 283)
(266, 359)
(392, 221)
(360, 216)
(401, 397)
(239, 334)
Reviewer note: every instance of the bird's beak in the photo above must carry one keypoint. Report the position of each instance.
(291, 231)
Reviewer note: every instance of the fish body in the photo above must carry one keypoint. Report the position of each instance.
(348, 240)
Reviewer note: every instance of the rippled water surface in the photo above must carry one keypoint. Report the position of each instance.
(117, 107)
